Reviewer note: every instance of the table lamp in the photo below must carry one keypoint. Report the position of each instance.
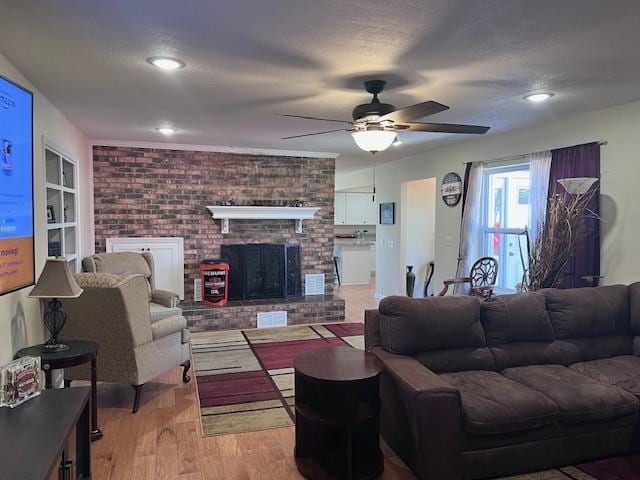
(56, 281)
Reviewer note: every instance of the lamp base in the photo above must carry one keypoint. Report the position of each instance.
(54, 320)
(54, 347)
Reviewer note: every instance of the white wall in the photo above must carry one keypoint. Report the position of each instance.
(417, 229)
(20, 316)
(620, 174)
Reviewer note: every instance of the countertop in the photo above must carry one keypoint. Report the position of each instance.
(354, 242)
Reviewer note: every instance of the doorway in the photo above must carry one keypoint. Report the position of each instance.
(417, 231)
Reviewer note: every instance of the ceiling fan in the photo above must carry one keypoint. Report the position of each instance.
(375, 124)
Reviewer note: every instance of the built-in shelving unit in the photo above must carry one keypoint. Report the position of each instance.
(62, 207)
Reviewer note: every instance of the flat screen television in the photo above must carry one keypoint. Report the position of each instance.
(17, 263)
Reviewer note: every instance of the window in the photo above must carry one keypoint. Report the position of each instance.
(505, 201)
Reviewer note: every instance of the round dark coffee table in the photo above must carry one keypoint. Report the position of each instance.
(79, 352)
(337, 413)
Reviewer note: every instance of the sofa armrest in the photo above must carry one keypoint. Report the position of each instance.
(421, 417)
(167, 326)
(166, 298)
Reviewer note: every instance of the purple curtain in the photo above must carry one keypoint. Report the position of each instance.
(579, 161)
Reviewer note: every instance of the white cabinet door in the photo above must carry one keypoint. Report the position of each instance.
(360, 209)
(356, 208)
(168, 259)
(340, 207)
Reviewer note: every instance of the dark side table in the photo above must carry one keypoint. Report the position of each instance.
(337, 414)
(79, 352)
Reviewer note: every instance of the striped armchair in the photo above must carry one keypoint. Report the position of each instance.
(114, 312)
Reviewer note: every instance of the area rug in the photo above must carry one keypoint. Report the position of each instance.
(245, 377)
(616, 468)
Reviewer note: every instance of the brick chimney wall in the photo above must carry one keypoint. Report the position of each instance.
(141, 192)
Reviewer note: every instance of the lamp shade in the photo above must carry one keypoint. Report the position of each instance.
(56, 281)
(374, 141)
(577, 185)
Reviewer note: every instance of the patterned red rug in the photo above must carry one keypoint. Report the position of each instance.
(245, 378)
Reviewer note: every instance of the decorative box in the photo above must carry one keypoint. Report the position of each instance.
(20, 380)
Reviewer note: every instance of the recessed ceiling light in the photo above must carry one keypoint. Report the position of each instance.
(166, 130)
(539, 97)
(166, 63)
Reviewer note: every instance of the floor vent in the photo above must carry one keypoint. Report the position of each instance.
(197, 289)
(314, 284)
(277, 318)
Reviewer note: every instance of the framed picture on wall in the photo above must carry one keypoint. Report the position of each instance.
(388, 213)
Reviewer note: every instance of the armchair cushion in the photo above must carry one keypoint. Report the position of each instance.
(158, 312)
(121, 263)
(167, 326)
(165, 298)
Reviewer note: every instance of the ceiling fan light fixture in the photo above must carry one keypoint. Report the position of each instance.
(166, 130)
(374, 140)
(539, 97)
(166, 63)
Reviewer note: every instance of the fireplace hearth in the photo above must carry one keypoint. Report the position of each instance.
(263, 270)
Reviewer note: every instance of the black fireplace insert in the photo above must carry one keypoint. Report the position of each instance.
(263, 270)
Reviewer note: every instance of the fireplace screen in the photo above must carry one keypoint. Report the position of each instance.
(258, 271)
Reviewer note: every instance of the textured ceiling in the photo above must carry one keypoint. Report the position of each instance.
(250, 60)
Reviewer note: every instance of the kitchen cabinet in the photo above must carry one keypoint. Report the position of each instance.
(340, 209)
(355, 209)
(168, 258)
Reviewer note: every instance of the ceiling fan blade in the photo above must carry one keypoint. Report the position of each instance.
(445, 128)
(317, 133)
(318, 118)
(415, 112)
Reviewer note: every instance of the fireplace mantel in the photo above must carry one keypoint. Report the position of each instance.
(226, 213)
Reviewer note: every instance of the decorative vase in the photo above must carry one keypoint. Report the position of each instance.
(411, 280)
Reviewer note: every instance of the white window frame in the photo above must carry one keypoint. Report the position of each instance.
(486, 230)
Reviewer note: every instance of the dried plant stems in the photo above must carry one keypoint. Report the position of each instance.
(558, 239)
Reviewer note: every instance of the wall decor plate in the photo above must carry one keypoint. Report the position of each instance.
(451, 189)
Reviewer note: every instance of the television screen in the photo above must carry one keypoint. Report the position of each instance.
(16, 187)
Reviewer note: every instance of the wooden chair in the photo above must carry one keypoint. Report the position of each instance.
(481, 279)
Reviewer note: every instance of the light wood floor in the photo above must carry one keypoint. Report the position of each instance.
(163, 440)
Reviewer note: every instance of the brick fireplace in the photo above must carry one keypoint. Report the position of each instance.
(142, 192)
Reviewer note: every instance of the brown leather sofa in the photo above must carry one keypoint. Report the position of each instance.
(518, 383)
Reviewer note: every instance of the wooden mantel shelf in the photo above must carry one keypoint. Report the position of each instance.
(226, 213)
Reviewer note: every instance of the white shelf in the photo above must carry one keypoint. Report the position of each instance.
(226, 213)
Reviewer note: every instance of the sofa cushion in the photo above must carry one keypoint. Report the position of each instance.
(411, 325)
(576, 350)
(457, 359)
(588, 312)
(634, 307)
(527, 353)
(579, 398)
(623, 372)
(516, 318)
(493, 404)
